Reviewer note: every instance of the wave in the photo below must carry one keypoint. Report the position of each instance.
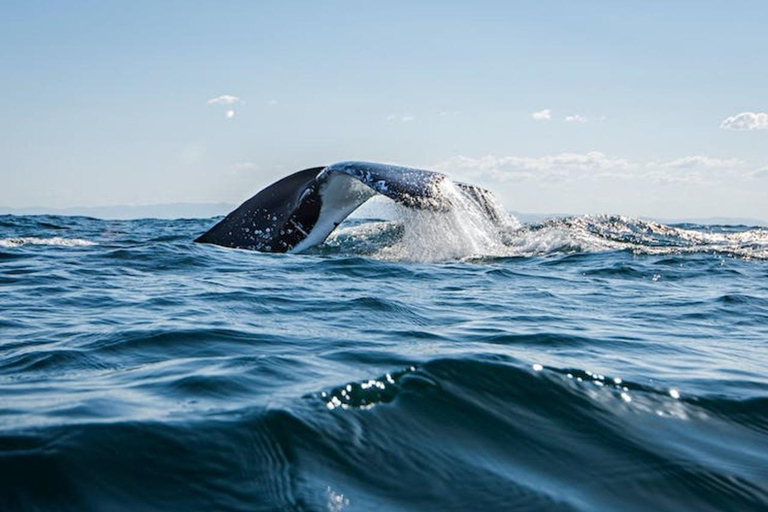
(461, 233)
(56, 241)
(559, 365)
(596, 233)
(469, 433)
(426, 236)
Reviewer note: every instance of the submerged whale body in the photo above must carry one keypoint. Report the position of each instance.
(301, 210)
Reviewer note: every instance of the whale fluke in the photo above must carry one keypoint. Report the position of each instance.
(275, 219)
(301, 210)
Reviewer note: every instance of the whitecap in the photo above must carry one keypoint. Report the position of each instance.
(56, 240)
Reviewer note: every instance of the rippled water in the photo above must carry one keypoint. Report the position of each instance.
(585, 363)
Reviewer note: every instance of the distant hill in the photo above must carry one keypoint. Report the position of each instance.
(153, 211)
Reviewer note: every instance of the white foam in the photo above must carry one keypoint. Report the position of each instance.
(461, 231)
(56, 240)
(599, 233)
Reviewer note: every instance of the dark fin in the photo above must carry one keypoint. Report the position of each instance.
(271, 220)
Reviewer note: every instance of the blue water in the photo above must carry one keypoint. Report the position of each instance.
(586, 363)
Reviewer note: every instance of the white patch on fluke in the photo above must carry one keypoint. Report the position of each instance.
(341, 195)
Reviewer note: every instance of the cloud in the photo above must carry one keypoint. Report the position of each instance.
(746, 121)
(595, 165)
(542, 115)
(550, 167)
(407, 118)
(576, 118)
(272, 102)
(700, 162)
(225, 99)
(759, 174)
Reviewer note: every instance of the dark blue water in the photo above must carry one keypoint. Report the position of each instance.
(589, 363)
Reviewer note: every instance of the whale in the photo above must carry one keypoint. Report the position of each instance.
(301, 210)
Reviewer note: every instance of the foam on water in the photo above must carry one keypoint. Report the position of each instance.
(56, 240)
(599, 233)
(464, 232)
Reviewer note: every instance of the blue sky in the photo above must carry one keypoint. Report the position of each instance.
(639, 108)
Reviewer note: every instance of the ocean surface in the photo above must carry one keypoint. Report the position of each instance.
(598, 363)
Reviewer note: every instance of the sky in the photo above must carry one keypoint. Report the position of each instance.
(643, 108)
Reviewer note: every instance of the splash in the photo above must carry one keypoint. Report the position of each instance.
(468, 223)
(465, 229)
(462, 232)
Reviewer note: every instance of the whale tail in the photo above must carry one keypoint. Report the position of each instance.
(301, 210)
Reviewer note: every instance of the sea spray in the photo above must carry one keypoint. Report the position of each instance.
(600, 233)
(430, 236)
(464, 228)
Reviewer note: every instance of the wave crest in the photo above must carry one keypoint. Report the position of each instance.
(56, 240)
(464, 234)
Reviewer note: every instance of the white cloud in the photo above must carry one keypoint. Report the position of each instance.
(576, 118)
(593, 182)
(595, 165)
(230, 114)
(759, 174)
(407, 118)
(225, 99)
(550, 167)
(272, 102)
(542, 115)
(700, 162)
(746, 121)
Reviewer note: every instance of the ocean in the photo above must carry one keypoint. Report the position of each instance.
(588, 363)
